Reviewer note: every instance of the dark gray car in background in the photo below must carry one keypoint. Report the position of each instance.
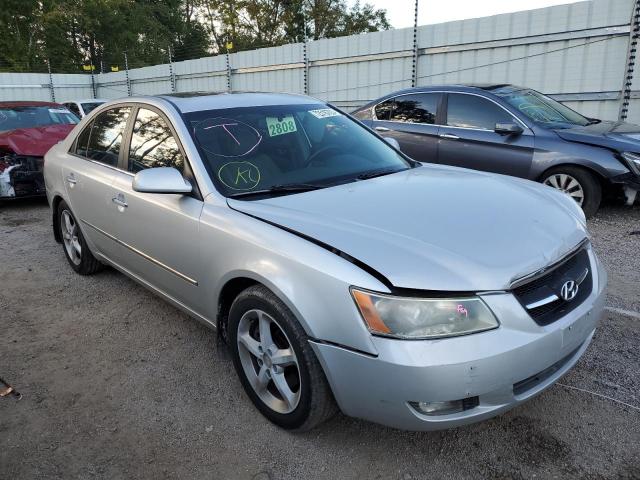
(514, 131)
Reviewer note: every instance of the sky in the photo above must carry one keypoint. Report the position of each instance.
(400, 12)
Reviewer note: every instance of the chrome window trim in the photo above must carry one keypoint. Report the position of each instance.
(518, 282)
(375, 118)
(111, 167)
(143, 255)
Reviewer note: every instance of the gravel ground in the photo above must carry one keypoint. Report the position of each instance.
(118, 384)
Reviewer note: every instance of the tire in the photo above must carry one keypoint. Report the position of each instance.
(576, 180)
(310, 399)
(73, 243)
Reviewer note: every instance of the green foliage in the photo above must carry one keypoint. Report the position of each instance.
(77, 33)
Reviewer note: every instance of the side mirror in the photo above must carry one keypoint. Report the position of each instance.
(160, 180)
(508, 129)
(393, 142)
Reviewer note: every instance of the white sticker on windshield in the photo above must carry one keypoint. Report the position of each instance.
(58, 110)
(324, 113)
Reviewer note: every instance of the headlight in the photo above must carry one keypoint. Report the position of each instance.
(405, 317)
(633, 160)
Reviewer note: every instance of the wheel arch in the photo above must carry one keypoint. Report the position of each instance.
(55, 203)
(228, 293)
(596, 174)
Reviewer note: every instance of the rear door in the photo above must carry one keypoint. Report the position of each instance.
(159, 232)
(412, 120)
(89, 172)
(469, 140)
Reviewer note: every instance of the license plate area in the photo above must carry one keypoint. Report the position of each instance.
(574, 334)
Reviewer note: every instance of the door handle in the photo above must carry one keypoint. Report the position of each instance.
(383, 129)
(71, 178)
(450, 136)
(120, 201)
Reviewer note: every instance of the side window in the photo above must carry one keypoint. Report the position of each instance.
(152, 144)
(74, 109)
(383, 110)
(417, 108)
(83, 141)
(471, 111)
(106, 136)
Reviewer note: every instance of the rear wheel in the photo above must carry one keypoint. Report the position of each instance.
(582, 186)
(74, 245)
(277, 367)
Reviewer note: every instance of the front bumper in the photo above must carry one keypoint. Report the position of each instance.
(502, 368)
(630, 184)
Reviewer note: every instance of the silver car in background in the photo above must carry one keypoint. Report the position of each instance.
(340, 272)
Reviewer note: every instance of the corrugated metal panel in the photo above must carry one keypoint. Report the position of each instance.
(573, 50)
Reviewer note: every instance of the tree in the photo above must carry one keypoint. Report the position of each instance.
(259, 23)
(76, 33)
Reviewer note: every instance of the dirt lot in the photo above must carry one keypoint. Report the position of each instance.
(118, 384)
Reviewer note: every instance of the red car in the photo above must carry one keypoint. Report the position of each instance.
(27, 131)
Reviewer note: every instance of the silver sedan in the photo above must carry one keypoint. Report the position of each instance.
(341, 273)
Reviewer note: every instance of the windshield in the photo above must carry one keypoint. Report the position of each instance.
(89, 106)
(258, 149)
(28, 117)
(542, 109)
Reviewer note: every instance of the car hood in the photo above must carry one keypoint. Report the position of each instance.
(434, 227)
(34, 141)
(619, 136)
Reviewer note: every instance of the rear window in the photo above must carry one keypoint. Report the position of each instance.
(416, 108)
(35, 116)
(104, 138)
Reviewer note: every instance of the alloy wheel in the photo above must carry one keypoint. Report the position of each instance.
(70, 232)
(269, 361)
(567, 184)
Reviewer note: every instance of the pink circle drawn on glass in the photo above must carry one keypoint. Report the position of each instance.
(235, 130)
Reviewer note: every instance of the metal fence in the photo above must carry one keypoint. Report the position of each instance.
(581, 53)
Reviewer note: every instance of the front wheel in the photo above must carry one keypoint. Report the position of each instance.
(276, 365)
(582, 186)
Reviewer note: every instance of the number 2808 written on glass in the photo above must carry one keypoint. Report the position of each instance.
(280, 126)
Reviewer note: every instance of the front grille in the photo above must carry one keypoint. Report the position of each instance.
(535, 380)
(550, 284)
(470, 402)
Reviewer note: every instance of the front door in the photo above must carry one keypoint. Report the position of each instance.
(159, 232)
(469, 138)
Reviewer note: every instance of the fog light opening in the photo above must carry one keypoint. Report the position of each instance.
(447, 407)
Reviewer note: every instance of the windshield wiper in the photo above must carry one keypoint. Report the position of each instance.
(593, 121)
(286, 188)
(377, 173)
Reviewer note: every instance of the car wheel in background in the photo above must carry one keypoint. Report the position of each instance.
(579, 184)
(277, 366)
(73, 243)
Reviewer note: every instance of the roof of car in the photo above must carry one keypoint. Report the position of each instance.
(458, 87)
(197, 101)
(88, 100)
(26, 103)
